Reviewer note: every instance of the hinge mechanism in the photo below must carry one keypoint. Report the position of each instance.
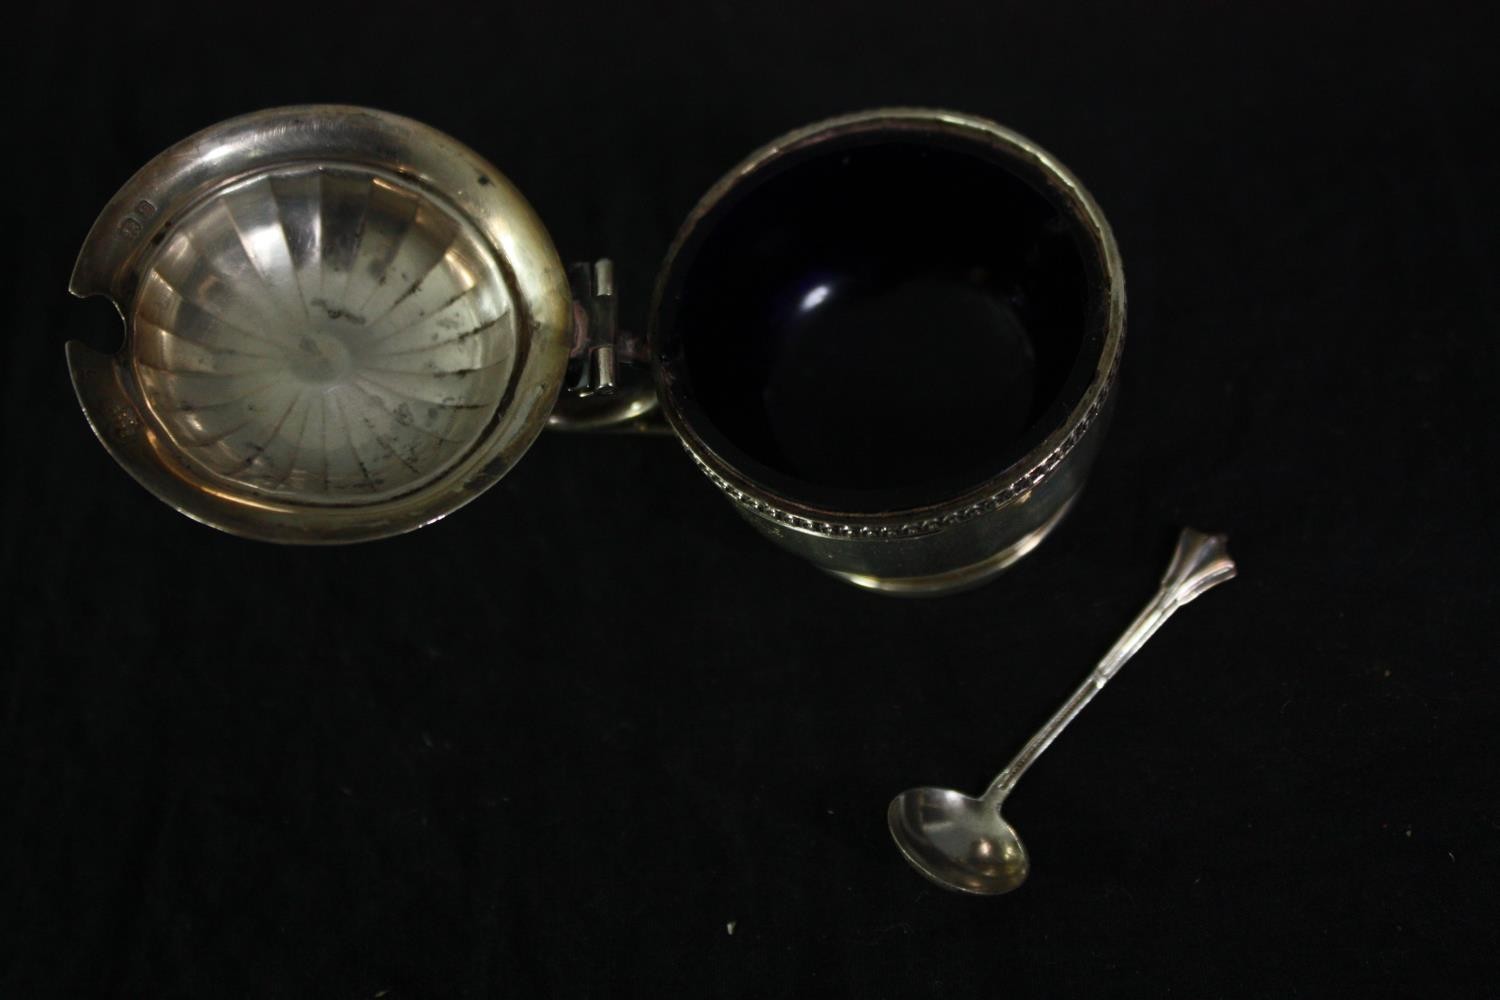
(599, 346)
(608, 384)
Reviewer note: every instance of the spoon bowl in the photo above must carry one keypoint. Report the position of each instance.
(958, 841)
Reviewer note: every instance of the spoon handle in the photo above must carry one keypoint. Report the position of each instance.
(1200, 563)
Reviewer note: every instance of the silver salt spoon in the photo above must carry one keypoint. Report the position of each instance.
(963, 843)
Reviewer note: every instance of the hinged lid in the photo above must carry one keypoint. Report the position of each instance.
(340, 324)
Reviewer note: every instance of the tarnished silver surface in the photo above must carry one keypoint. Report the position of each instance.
(967, 539)
(963, 843)
(339, 324)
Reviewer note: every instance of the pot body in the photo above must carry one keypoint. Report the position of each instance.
(929, 538)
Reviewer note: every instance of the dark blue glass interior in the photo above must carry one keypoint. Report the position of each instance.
(880, 323)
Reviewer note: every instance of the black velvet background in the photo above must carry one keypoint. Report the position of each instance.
(564, 741)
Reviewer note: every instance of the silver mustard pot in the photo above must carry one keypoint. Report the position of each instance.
(890, 339)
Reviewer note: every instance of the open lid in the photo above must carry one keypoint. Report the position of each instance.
(340, 324)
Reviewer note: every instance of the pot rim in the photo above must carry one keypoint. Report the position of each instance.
(1014, 483)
